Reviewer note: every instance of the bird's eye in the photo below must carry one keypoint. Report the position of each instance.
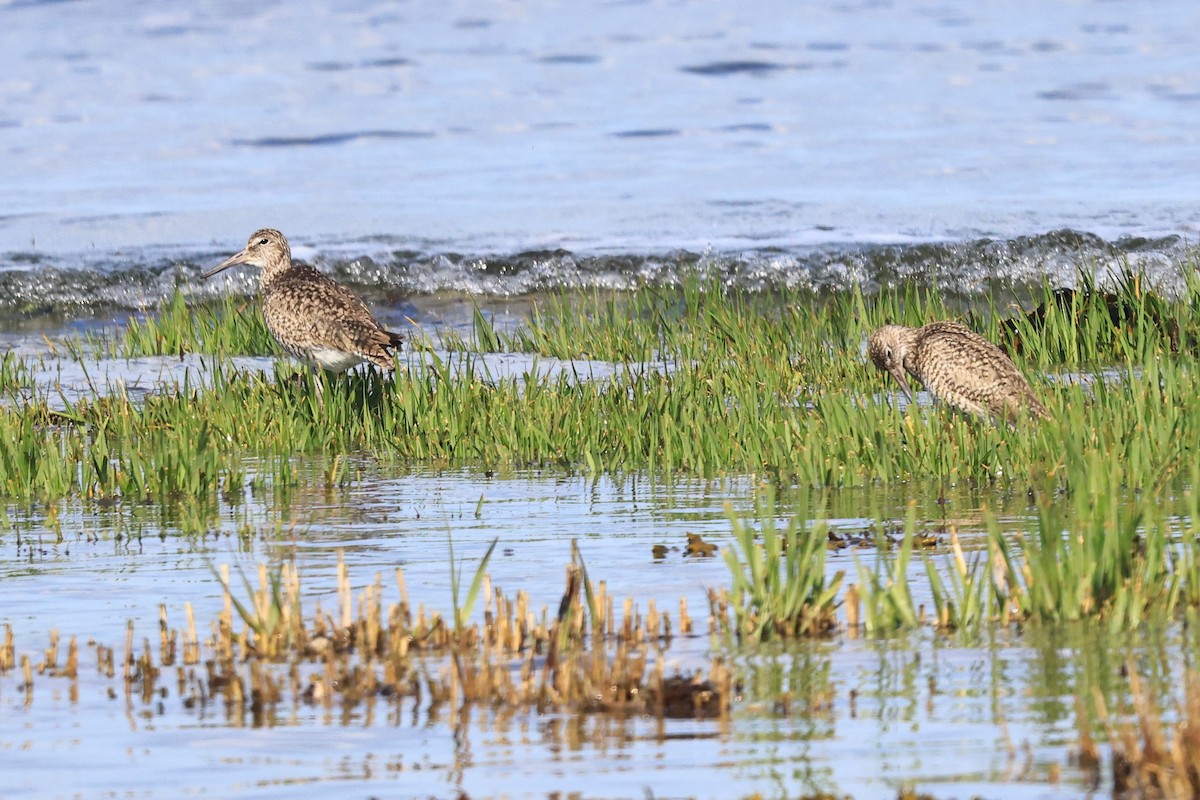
(262, 241)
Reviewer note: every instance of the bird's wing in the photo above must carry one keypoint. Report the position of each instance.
(967, 353)
(965, 365)
(322, 311)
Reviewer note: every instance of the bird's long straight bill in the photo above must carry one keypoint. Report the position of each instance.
(903, 381)
(234, 260)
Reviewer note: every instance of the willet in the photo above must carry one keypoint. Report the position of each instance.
(958, 367)
(313, 317)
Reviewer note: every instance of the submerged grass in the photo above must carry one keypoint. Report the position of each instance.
(367, 652)
(267, 656)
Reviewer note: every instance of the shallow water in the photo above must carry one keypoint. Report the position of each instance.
(947, 735)
(912, 709)
(59, 381)
(386, 520)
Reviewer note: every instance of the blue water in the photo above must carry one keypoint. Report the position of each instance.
(626, 127)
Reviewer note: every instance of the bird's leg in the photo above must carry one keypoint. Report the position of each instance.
(319, 384)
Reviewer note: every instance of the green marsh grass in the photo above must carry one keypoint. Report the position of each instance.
(1099, 553)
(272, 612)
(886, 591)
(15, 372)
(709, 382)
(464, 606)
(779, 586)
(965, 598)
(229, 326)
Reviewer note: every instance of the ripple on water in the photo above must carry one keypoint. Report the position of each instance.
(724, 68)
(331, 138)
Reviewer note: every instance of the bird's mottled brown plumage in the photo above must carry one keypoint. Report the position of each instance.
(958, 367)
(314, 318)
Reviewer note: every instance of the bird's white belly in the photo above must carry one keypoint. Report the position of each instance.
(332, 360)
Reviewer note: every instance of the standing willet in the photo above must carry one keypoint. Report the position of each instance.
(314, 318)
(958, 367)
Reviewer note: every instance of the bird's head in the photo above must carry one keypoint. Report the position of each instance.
(887, 348)
(266, 249)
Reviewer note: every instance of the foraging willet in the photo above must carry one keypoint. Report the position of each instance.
(958, 367)
(314, 318)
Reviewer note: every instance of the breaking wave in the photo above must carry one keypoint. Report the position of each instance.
(33, 284)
